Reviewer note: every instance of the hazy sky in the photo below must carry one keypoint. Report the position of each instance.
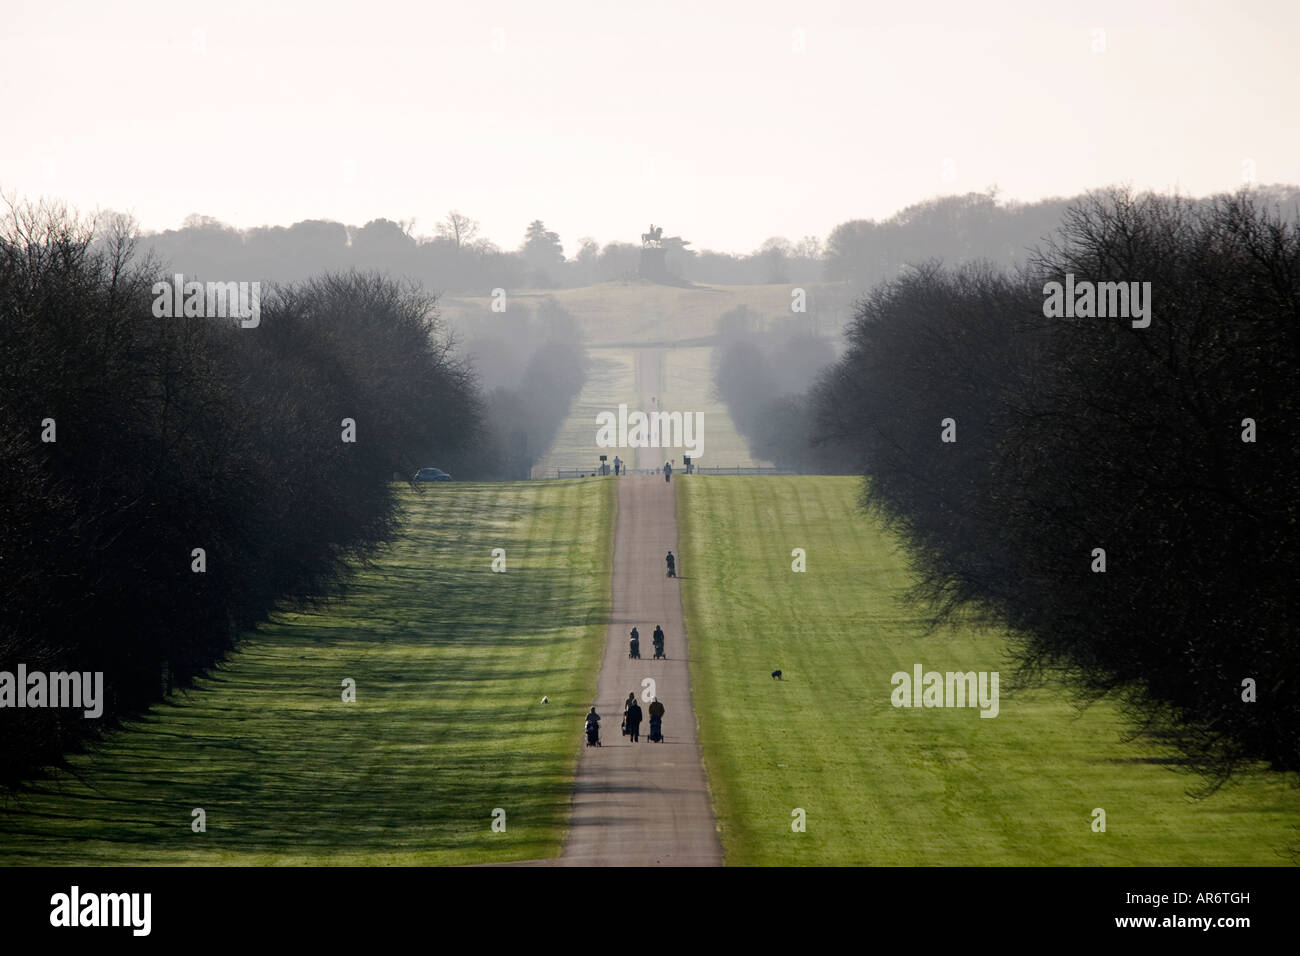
(724, 122)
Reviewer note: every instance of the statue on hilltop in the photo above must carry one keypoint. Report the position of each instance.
(654, 239)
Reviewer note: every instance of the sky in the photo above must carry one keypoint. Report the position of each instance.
(726, 123)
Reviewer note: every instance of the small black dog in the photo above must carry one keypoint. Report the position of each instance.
(777, 675)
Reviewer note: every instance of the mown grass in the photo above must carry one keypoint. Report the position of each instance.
(611, 380)
(450, 662)
(892, 786)
(688, 388)
(623, 313)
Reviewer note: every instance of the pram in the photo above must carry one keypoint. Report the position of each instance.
(634, 648)
(593, 734)
(659, 651)
(656, 729)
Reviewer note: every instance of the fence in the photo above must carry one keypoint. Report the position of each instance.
(699, 470)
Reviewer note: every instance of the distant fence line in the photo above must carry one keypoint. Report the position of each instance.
(699, 470)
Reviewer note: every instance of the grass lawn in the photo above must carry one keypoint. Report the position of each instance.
(898, 786)
(688, 388)
(623, 313)
(450, 661)
(611, 380)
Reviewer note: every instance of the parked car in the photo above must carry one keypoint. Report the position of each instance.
(432, 474)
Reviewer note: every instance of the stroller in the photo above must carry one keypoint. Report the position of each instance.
(634, 648)
(656, 729)
(593, 734)
(659, 651)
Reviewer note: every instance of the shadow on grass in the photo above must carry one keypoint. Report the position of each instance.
(449, 662)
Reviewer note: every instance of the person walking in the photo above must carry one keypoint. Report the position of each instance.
(634, 721)
(672, 565)
(668, 471)
(627, 705)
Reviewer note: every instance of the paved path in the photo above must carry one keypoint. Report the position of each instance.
(643, 804)
(649, 380)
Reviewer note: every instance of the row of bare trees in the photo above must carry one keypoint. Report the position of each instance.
(1122, 499)
(167, 482)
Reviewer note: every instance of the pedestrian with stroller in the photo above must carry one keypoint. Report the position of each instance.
(656, 721)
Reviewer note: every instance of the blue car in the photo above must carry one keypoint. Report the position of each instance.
(432, 474)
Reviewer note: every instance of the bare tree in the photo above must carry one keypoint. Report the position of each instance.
(459, 228)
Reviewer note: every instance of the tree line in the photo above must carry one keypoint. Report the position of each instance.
(456, 258)
(1121, 498)
(761, 372)
(169, 481)
(530, 364)
(1117, 492)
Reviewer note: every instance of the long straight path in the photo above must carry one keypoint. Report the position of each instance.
(643, 804)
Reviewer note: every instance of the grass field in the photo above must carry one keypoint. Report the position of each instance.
(897, 786)
(450, 662)
(688, 387)
(611, 380)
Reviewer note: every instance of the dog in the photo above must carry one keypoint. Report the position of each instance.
(777, 675)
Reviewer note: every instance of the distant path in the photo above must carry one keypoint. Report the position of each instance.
(649, 379)
(643, 804)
